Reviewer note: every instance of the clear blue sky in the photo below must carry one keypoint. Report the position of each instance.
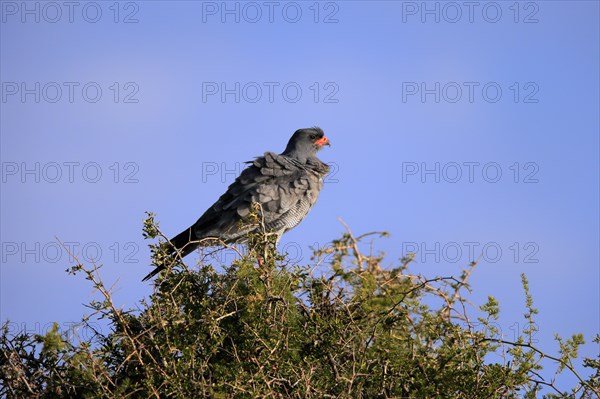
(424, 106)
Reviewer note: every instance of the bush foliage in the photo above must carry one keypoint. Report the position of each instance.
(342, 327)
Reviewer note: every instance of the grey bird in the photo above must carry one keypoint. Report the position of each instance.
(285, 185)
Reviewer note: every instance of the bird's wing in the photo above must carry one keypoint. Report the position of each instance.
(274, 181)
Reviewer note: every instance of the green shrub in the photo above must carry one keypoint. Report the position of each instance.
(270, 329)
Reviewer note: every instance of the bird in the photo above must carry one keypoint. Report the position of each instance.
(283, 186)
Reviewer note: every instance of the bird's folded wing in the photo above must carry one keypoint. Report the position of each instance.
(273, 181)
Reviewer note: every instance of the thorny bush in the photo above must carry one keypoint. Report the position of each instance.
(263, 328)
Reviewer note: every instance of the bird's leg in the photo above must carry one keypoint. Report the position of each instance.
(268, 246)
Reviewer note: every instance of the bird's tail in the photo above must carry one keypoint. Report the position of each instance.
(183, 243)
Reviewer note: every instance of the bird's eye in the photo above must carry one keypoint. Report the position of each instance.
(313, 136)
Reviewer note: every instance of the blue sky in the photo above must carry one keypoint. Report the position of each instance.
(459, 130)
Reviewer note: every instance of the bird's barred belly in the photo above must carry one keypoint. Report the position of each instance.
(291, 218)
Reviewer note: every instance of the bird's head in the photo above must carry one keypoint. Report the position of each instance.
(305, 143)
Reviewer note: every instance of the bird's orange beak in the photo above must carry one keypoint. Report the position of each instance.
(322, 141)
